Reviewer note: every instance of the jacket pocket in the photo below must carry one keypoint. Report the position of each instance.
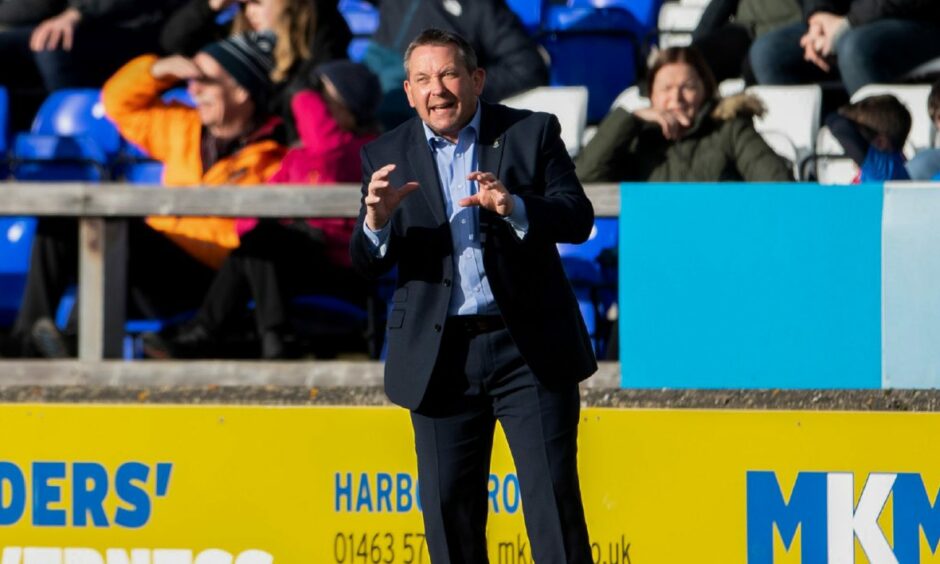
(396, 319)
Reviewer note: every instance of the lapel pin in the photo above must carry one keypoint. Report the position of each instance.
(496, 144)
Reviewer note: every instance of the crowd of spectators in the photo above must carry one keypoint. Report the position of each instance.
(276, 100)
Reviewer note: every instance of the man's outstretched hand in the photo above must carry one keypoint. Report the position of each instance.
(382, 198)
(491, 194)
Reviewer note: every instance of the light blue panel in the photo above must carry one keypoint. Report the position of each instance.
(750, 286)
(911, 286)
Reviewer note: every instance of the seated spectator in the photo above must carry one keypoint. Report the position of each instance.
(858, 41)
(227, 139)
(728, 27)
(46, 45)
(511, 58)
(280, 259)
(688, 134)
(926, 164)
(873, 132)
(309, 32)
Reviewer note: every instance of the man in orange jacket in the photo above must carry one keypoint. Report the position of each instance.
(228, 138)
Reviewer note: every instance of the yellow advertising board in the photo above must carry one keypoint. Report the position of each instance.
(257, 485)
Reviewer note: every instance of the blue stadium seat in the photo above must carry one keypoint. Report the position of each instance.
(529, 12)
(362, 17)
(70, 139)
(4, 120)
(16, 239)
(645, 12)
(4, 130)
(133, 328)
(136, 167)
(52, 158)
(592, 270)
(582, 39)
(77, 113)
(363, 20)
(180, 95)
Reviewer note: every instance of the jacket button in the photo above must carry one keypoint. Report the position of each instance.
(437, 327)
(447, 282)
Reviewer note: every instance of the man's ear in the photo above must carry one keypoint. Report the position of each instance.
(479, 80)
(407, 86)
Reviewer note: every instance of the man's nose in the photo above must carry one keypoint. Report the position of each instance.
(437, 85)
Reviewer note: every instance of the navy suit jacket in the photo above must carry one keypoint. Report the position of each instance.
(524, 149)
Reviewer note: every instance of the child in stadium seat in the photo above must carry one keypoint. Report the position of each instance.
(278, 259)
(873, 132)
(926, 163)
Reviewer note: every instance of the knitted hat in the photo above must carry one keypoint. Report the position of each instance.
(358, 87)
(249, 59)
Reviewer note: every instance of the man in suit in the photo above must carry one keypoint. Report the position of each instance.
(469, 200)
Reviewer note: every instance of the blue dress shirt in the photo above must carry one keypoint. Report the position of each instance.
(471, 292)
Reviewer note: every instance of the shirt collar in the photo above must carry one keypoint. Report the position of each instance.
(473, 127)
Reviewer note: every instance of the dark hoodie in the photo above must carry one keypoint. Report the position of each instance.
(721, 145)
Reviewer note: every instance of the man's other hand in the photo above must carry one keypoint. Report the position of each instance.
(382, 198)
(491, 194)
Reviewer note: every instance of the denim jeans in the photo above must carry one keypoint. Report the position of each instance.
(877, 52)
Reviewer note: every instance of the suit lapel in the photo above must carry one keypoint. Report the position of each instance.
(490, 142)
(489, 157)
(422, 163)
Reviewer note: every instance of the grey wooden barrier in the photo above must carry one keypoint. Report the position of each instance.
(103, 210)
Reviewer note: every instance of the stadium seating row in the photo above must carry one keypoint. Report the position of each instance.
(791, 125)
(72, 140)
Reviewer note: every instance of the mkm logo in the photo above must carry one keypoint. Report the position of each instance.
(823, 505)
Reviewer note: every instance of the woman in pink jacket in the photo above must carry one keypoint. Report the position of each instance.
(279, 259)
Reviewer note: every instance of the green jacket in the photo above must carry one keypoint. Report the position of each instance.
(721, 145)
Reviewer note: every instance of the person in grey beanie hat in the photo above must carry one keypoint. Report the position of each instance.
(249, 59)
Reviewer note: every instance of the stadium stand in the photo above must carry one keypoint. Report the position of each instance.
(70, 140)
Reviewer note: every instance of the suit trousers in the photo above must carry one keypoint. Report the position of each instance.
(479, 379)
